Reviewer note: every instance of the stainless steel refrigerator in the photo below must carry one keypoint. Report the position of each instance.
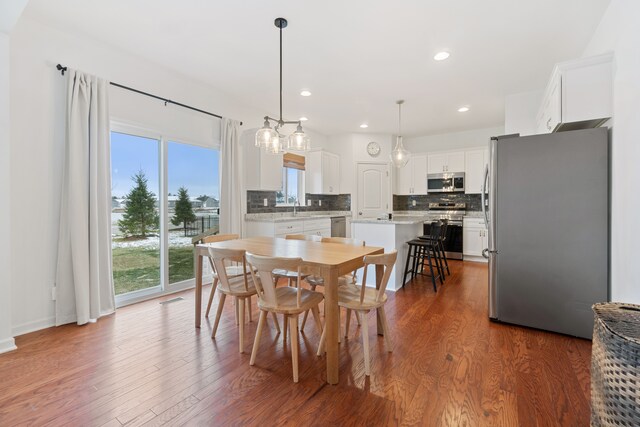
(548, 220)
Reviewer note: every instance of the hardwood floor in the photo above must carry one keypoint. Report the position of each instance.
(148, 365)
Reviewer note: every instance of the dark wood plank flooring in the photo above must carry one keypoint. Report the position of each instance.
(148, 365)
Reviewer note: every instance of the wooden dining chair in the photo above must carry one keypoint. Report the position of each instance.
(289, 301)
(315, 280)
(240, 287)
(361, 299)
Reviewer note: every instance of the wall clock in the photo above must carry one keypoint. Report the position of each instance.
(373, 148)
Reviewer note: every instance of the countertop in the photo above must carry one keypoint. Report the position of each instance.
(398, 220)
(288, 216)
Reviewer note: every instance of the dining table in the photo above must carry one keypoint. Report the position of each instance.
(330, 260)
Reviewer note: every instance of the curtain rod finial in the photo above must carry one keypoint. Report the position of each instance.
(61, 68)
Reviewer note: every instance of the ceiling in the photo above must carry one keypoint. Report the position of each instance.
(357, 57)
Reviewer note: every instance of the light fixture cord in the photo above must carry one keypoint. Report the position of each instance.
(399, 119)
(280, 72)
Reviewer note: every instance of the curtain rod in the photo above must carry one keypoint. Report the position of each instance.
(166, 101)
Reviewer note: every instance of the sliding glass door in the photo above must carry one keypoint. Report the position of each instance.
(135, 225)
(165, 194)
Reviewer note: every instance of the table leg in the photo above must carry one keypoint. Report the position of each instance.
(198, 264)
(332, 326)
(379, 274)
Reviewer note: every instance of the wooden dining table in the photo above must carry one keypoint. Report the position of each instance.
(331, 260)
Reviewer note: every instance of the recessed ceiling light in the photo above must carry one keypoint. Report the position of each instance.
(463, 109)
(303, 119)
(441, 56)
(364, 126)
(305, 93)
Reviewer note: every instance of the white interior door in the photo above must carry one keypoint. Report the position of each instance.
(373, 189)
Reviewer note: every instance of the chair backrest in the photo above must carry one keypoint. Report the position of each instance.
(387, 260)
(218, 238)
(264, 266)
(434, 230)
(343, 240)
(443, 229)
(219, 257)
(307, 237)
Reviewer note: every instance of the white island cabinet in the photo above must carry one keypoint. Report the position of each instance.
(390, 234)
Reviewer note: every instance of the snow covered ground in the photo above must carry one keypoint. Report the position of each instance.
(176, 238)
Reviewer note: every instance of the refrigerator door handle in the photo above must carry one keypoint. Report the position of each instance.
(484, 199)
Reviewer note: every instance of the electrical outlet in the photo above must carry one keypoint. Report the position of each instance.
(319, 202)
(265, 202)
(54, 293)
(413, 203)
(309, 202)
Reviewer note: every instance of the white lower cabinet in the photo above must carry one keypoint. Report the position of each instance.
(315, 226)
(475, 239)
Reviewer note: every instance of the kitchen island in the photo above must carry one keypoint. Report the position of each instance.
(390, 234)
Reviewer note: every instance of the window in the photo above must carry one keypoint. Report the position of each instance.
(164, 193)
(292, 181)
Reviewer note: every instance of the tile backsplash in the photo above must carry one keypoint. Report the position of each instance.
(404, 203)
(330, 202)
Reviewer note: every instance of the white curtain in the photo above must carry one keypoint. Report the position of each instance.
(230, 177)
(84, 275)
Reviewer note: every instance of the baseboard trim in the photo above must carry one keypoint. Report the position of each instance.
(33, 326)
(8, 344)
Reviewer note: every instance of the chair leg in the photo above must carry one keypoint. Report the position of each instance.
(256, 341)
(237, 314)
(357, 316)
(316, 316)
(293, 325)
(286, 327)
(365, 343)
(213, 291)
(240, 302)
(223, 297)
(346, 325)
(249, 309)
(275, 321)
(444, 256)
(306, 313)
(406, 266)
(436, 255)
(385, 329)
(433, 277)
(321, 343)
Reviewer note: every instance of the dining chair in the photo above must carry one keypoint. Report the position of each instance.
(315, 280)
(361, 299)
(232, 271)
(287, 300)
(241, 287)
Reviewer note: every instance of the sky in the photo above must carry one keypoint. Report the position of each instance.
(193, 167)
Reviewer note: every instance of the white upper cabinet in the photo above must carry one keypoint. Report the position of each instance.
(452, 161)
(579, 95)
(475, 164)
(412, 178)
(322, 173)
(263, 171)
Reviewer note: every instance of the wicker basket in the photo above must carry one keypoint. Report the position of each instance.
(615, 365)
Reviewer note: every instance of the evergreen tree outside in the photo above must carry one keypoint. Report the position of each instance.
(140, 216)
(183, 210)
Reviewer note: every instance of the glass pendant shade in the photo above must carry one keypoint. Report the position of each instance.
(298, 140)
(265, 135)
(400, 155)
(275, 145)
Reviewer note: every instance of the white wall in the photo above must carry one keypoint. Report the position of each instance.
(453, 140)
(619, 32)
(520, 111)
(6, 336)
(37, 126)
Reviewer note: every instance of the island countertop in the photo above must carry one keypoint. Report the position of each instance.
(397, 220)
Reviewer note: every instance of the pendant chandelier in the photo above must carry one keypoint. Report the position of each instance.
(270, 138)
(400, 155)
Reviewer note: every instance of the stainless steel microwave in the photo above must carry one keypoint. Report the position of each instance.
(445, 182)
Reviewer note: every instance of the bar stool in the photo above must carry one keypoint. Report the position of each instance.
(421, 250)
(442, 255)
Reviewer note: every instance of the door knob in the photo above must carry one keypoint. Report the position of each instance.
(359, 213)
